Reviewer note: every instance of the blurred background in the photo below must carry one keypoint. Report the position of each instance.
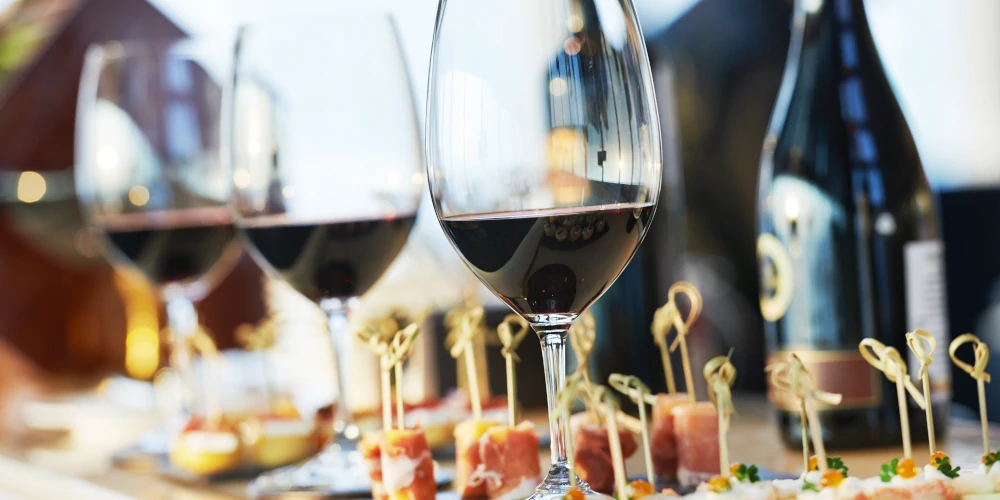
(68, 320)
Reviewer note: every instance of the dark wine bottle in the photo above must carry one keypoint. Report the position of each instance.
(848, 242)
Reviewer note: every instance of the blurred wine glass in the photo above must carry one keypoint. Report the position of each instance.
(150, 177)
(328, 173)
(544, 161)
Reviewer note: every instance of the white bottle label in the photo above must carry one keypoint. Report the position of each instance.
(927, 308)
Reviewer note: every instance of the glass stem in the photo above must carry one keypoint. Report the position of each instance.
(182, 318)
(554, 357)
(337, 311)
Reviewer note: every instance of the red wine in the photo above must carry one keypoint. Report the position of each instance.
(848, 242)
(333, 259)
(549, 263)
(177, 247)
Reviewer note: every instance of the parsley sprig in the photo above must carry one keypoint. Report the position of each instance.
(747, 474)
(889, 470)
(991, 458)
(807, 486)
(944, 466)
(836, 463)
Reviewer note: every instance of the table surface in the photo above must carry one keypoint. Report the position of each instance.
(753, 439)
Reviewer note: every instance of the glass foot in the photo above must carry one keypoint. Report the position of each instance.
(334, 472)
(556, 484)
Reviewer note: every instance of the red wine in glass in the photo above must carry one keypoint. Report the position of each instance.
(176, 247)
(329, 259)
(553, 262)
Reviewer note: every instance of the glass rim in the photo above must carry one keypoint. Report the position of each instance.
(183, 45)
(313, 15)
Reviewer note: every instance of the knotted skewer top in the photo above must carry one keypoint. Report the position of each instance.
(509, 338)
(982, 359)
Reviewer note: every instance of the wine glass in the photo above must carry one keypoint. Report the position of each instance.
(543, 160)
(328, 172)
(150, 176)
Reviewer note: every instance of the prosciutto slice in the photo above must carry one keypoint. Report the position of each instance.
(407, 466)
(468, 457)
(696, 432)
(662, 440)
(370, 447)
(592, 452)
(511, 467)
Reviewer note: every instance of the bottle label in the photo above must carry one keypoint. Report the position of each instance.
(927, 309)
(776, 280)
(839, 372)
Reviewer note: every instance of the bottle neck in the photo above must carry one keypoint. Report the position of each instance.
(837, 31)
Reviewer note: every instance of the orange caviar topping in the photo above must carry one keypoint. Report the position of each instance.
(937, 457)
(718, 484)
(813, 463)
(574, 494)
(640, 489)
(907, 468)
(831, 479)
(734, 469)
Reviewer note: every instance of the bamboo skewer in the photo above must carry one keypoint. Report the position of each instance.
(890, 362)
(582, 336)
(399, 349)
(511, 341)
(468, 327)
(978, 372)
(634, 389)
(573, 389)
(617, 459)
(669, 316)
(792, 376)
(923, 344)
(378, 341)
(720, 374)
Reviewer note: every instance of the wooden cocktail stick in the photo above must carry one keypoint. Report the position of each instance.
(720, 374)
(978, 372)
(634, 389)
(468, 327)
(792, 376)
(888, 361)
(511, 340)
(399, 349)
(923, 344)
(669, 316)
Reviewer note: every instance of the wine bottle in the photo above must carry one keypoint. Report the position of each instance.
(848, 243)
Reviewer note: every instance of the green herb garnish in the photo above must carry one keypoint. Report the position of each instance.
(836, 463)
(944, 466)
(991, 458)
(747, 474)
(807, 486)
(889, 470)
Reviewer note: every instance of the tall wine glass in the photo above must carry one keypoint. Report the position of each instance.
(543, 160)
(150, 175)
(328, 170)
